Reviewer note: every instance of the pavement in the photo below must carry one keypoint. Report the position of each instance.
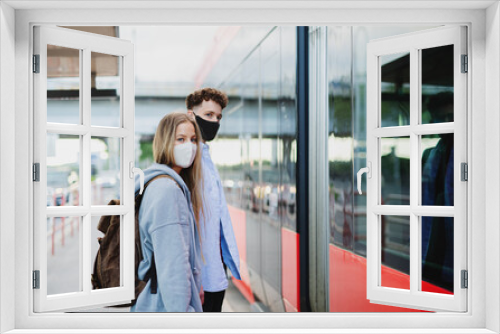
(64, 271)
(234, 301)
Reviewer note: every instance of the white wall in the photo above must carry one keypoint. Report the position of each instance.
(7, 161)
(492, 165)
(485, 107)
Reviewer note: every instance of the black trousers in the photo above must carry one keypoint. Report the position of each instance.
(213, 301)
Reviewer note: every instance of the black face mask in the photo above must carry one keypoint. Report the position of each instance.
(208, 129)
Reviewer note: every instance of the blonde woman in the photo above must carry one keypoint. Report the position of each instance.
(168, 220)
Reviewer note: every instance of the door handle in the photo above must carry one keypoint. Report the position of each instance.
(368, 171)
(134, 170)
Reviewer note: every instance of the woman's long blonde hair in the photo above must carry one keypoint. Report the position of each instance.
(163, 152)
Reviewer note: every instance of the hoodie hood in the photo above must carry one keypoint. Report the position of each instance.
(159, 169)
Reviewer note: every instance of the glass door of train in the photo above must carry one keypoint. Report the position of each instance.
(417, 169)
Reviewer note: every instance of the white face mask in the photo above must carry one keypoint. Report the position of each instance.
(184, 154)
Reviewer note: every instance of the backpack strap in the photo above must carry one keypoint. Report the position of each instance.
(151, 274)
(138, 198)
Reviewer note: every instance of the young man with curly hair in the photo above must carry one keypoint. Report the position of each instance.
(218, 241)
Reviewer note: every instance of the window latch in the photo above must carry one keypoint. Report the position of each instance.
(368, 171)
(133, 170)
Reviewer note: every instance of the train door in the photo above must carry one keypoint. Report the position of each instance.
(270, 219)
(80, 67)
(416, 116)
(262, 71)
(253, 192)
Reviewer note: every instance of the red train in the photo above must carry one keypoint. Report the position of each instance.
(264, 169)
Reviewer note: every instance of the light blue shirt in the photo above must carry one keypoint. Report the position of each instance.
(218, 241)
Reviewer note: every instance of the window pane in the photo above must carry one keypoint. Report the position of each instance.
(226, 150)
(437, 254)
(288, 127)
(63, 85)
(437, 84)
(105, 169)
(63, 170)
(269, 65)
(63, 255)
(105, 89)
(395, 256)
(395, 89)
(254, 189)
(437, 169)
(109, 225)
(340, 141)
(395, 170)
(255, 154)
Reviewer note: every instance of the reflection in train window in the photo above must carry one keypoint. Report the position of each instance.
(395, 92)
(437, 84)
(437, 169)
(395, 255)
(395, 171)
(255, 153)
(437, 254)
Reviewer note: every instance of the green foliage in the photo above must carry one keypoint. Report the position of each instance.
(146, 151)
(340, 169)
(341, 116)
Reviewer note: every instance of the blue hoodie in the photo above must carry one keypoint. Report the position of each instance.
(167, 228)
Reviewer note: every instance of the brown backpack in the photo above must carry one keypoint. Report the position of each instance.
(107, 261)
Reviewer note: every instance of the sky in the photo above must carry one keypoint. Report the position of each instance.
(178, 51)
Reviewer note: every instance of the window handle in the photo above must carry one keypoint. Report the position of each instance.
(368, 171)
(134, 170)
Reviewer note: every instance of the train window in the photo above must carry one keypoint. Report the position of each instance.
(395, 89)
(395, 252)
(259, 175)
(395, 170)
(67, 204)
(416, 142)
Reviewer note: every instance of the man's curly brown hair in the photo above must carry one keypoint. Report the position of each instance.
(197, 97)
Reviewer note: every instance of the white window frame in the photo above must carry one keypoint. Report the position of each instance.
(484, 102)
(85, 43)
(413, 43)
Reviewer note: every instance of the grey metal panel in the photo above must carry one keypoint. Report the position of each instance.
(318, 169)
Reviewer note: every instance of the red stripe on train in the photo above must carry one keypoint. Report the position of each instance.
(348, 284)
(290, 266)
(238, 218)
(347, 274)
